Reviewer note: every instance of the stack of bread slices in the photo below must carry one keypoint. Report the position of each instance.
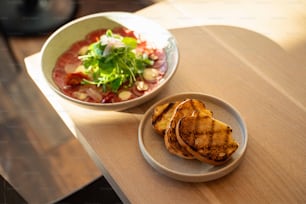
(190, 131)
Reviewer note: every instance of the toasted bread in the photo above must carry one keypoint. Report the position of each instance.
(187, 107)
(207, 139)
(161, 116)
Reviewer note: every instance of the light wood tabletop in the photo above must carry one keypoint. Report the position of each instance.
(248, 54)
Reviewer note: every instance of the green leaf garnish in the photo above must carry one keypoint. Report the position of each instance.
(113, 61)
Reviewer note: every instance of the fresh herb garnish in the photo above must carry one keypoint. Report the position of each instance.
(113, 61)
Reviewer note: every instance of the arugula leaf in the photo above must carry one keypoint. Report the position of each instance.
(130, 42)
(113, 61)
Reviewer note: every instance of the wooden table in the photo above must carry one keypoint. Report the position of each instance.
(250, 55)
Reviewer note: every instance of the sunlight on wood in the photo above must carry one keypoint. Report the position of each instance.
(275, 24)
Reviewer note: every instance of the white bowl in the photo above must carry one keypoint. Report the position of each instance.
(77, 29)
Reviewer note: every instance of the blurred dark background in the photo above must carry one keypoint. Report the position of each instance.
(39, 158)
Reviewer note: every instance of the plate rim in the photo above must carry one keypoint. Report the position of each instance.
(122, 18)
(218, 173)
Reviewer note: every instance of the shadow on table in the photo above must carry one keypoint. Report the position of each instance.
(220, 43)
(8, 194)
(99, 191)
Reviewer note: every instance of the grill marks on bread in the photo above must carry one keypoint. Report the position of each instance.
(191, 132)
(207, 139)
(162, 115)
(186, 108)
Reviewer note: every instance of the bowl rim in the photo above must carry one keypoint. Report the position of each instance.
(128, 103)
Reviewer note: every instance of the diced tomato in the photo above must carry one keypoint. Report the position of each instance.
(109, 97)
(75, 79)
(142, 44)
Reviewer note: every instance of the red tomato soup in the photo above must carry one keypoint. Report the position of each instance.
(73, 76)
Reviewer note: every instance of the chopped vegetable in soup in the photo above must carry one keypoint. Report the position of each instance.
(109, 66)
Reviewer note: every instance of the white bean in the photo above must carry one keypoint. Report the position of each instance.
(125, 95)
(150, 74)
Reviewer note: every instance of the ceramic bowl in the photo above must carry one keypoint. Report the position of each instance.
(76, 30)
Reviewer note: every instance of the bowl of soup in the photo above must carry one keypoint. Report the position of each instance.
(110, 61)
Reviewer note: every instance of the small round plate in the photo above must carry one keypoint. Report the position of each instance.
(155, 153)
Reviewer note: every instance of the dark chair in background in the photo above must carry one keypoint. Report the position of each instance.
(8, 194)
(99, 191)
(35, 17)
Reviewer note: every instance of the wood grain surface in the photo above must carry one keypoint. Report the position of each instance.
(272, 162)
(245, 64)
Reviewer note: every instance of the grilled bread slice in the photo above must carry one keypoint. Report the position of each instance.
(207, 139)
(187, 107)
(161, 116)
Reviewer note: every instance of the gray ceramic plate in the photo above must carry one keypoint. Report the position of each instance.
(154, 151)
